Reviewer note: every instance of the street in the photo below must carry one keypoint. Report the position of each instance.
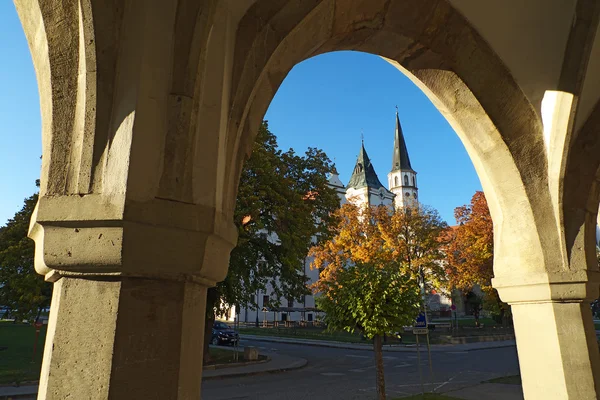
(350, 374)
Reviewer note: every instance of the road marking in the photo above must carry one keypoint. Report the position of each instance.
(457, 352)
(402, 365)
(448, 381)
(332, 373)
(355, 356)
(389, 358)
(356, 370)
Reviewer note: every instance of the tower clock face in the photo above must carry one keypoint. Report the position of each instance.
(407, 194)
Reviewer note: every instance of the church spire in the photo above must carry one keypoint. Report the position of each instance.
(400, 160)
(364, 174)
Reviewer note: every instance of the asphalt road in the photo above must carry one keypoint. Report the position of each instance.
(350, 374)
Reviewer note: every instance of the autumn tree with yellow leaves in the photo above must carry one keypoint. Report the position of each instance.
(370, 270)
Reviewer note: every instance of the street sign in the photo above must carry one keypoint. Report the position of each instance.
(453, 307)
(420, 331)
(421, 321)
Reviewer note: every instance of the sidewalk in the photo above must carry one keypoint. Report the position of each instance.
(489, 391)
(394, 348)
(277, 363)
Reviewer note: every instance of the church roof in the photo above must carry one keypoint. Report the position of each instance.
(400, 160)
(364, 174)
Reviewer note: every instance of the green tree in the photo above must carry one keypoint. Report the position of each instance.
(22, 290)
(283, 196)
(369, 270)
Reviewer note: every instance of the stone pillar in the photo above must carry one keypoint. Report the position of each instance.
(124, 338)
(128, 308)
(556, 339)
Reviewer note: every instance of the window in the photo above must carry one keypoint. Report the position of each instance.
(290, 302)
(310, 317)
(405, 180)
(265, 300)
(283, 317)
(396, 181)
(414, 181)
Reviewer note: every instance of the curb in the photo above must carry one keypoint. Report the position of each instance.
(235, 365)
(300, 363)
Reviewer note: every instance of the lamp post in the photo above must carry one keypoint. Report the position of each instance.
(257, 308)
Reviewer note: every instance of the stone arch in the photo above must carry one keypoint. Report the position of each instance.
(434, 46)
(406, 180)
(395, 181)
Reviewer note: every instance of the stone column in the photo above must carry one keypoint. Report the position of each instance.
(556, 339)
(129, 301)
(124, 338)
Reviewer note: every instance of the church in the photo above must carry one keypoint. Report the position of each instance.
(363, 188)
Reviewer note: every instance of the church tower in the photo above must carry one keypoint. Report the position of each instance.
(402, 180)
(364, 187)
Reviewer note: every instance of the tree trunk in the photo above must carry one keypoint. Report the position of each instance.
(378, 349)
(212, 296)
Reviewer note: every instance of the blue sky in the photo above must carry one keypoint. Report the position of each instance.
(20, 129)
(324, 102)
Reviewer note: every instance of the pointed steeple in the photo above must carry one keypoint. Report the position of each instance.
(400, 160)
(364, 174)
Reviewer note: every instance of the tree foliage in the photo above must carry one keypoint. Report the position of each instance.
(470, 253)
(409, 237)
(369, 270)
(22, 290)
(283, 204)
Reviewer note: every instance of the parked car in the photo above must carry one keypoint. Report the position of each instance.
(224, 334)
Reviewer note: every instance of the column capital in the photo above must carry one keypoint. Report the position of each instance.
(93, 235)
(567, 286)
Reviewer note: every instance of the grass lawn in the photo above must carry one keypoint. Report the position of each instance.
(306, 333)
(510, 380)
(16, 350)
(428, 396)
(491, 328)
(321, 334)
(222, 356)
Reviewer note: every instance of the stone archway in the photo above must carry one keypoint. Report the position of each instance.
(518, 162)
(149, 109)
